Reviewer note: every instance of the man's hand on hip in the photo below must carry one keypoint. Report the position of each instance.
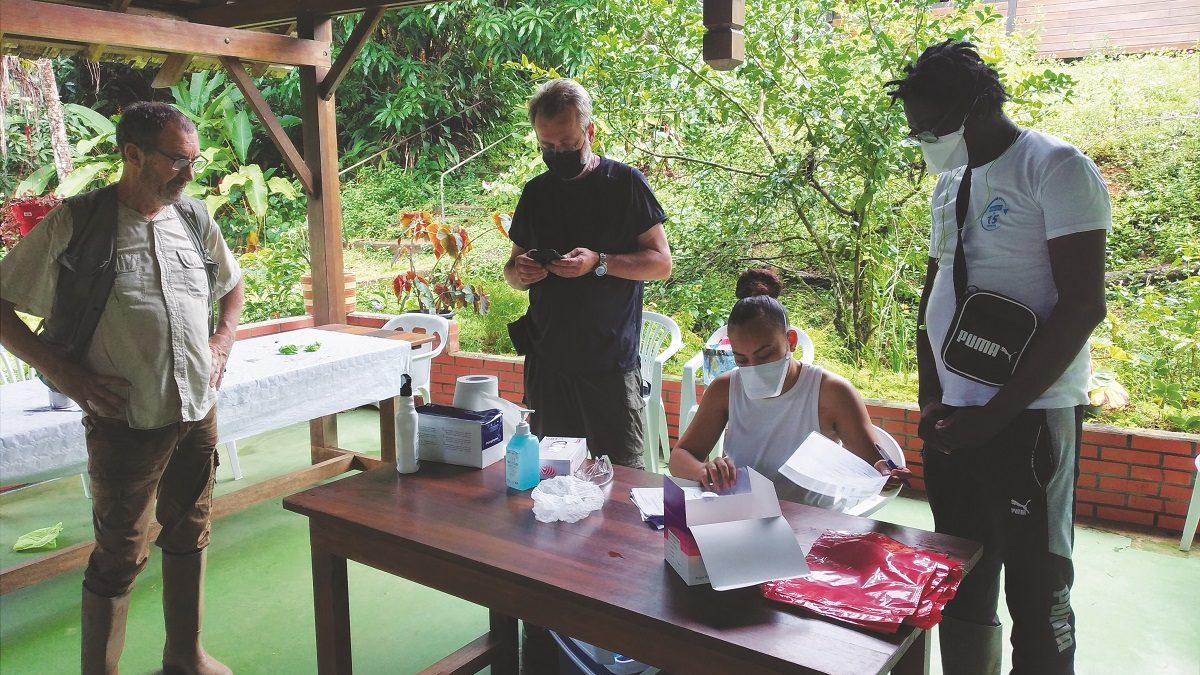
(219, 345)
(91, 391)
(529, 271)
(576, 263)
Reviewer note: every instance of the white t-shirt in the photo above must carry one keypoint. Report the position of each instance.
(1041, 188)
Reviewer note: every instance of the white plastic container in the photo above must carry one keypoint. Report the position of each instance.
(406, 429)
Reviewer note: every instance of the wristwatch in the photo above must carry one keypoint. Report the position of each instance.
(602, 267)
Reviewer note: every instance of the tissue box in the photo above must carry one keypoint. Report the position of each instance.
(561, 456)
(456, 436)
(734, 539)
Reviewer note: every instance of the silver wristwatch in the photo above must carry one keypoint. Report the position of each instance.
(602, 267)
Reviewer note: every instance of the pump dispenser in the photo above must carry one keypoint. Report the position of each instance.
(522, 460)
(406, 428)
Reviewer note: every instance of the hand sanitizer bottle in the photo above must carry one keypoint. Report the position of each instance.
(406, 429)
(522, 460)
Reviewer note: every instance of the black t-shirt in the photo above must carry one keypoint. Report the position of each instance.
(590, 323)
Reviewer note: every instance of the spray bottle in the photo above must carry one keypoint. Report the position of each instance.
(406, 428)
(522, 460)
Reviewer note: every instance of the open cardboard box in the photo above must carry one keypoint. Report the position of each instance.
(730, 540)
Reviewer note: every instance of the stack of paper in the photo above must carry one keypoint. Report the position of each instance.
(822, 466)
(650, 502)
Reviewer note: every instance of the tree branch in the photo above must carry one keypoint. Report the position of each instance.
(694, 160)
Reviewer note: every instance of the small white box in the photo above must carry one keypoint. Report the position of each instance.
(731, 540)
(561, 456)
(456, 436)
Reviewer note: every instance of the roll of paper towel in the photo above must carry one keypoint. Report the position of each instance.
(482, 392)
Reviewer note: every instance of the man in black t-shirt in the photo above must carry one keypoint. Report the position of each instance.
(580, 336)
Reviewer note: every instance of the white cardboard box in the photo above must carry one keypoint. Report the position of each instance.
(456, 436)
(561, 456)
(735, 539)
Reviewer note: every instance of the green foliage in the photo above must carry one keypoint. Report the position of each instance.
(373, 200)
(489, 333)
(272, 277)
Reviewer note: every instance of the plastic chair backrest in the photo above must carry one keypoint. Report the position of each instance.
(804, 345)
(413, 322)
(13, 369)
(657, 330)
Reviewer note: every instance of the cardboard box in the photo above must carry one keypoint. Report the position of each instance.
(456, 436)
(730, 540)
(561, 456)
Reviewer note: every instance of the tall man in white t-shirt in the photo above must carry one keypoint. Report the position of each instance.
(1001, 460)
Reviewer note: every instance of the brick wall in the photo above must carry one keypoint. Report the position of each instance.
(1130, 476)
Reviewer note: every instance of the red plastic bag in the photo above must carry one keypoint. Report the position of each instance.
(871, 580)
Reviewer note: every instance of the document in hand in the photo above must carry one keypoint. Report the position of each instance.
(822, 466)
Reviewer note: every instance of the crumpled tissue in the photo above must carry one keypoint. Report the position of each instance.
(565, 498)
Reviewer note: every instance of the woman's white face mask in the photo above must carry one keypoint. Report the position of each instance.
(946, 153)
(764, 380)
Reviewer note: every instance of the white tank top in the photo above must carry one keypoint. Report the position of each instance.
(763, 433)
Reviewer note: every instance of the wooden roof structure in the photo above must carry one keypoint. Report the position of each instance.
(235, 35)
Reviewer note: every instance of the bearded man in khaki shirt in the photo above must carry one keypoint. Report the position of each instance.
(146, 377)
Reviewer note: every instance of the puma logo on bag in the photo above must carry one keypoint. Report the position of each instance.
(981, 345)
(1019, 509)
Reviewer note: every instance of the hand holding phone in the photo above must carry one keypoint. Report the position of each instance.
(544, 256)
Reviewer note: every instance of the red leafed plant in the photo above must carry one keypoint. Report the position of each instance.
(436, 290)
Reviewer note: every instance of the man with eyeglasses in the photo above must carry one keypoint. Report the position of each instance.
(587, 234)
(1019, 226)
(140, 313)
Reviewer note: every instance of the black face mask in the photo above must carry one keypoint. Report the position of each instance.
(566, 164)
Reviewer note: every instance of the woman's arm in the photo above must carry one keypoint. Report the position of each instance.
(689, 458)
(842, 408)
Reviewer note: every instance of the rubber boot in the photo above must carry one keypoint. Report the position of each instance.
(970, 648)
(183, 611)
(102, 632)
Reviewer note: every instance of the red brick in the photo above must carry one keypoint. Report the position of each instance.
(457, 370)
(1131, 457)
(1175, 508)
(917, 485)
(1179, 463)
(1125, 516)
(1146, 473)
(1146, 504)
(908, 429)
(1092, 451)
(469, 361)
(917, 470)
(1103, 468)
(1177, 493)
(1087, 481)
(1099, 497)
(1177, 477)
(1128, 486)
(1085, 510)
(1169, 523)
(887, 412)
(1172, 446)
(1108, 438)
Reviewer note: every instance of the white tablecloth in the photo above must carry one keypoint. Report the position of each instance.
(263, 390)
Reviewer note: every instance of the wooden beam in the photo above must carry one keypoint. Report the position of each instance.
(358, 38)
(467, 660)
(257, 13)
(274, 129)
(76, 557)
(171, 70)
(34, 19)
(325, 205)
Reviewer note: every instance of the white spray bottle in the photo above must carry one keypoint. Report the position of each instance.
(406, 429)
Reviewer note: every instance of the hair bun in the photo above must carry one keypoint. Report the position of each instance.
(759, 281)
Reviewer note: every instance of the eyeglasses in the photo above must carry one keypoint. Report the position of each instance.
(928, 135)
(179, 163)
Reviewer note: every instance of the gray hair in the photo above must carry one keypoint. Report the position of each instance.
(558, 95)
(142, 123)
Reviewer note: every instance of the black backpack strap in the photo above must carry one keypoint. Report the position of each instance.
(193, 213)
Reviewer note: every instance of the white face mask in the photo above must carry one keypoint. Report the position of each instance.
(946, 153)
(765, 380)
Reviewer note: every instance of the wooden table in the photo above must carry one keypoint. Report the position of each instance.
(602, 580)
(327, 458)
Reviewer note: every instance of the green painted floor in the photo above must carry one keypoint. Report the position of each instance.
(1137, 598)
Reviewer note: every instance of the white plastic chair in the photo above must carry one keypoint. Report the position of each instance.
(891, 448)
(688, 405)
(660, 341)
(1193, 515)
(423, 355)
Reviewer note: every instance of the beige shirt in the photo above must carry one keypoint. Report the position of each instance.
(154, 330)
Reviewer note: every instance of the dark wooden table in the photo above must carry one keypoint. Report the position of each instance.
(602, 580)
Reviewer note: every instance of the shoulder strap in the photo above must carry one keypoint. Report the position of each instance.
(193, 212)
(960, 256)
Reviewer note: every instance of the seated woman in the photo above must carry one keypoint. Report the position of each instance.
(770, 404)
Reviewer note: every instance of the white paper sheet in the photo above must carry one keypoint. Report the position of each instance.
(823, 466)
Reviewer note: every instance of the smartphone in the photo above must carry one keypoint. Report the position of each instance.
(544, 256)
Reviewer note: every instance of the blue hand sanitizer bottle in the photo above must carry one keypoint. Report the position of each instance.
(522, 460)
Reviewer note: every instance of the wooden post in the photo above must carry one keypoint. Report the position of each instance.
(724, 43)
(324, 203)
